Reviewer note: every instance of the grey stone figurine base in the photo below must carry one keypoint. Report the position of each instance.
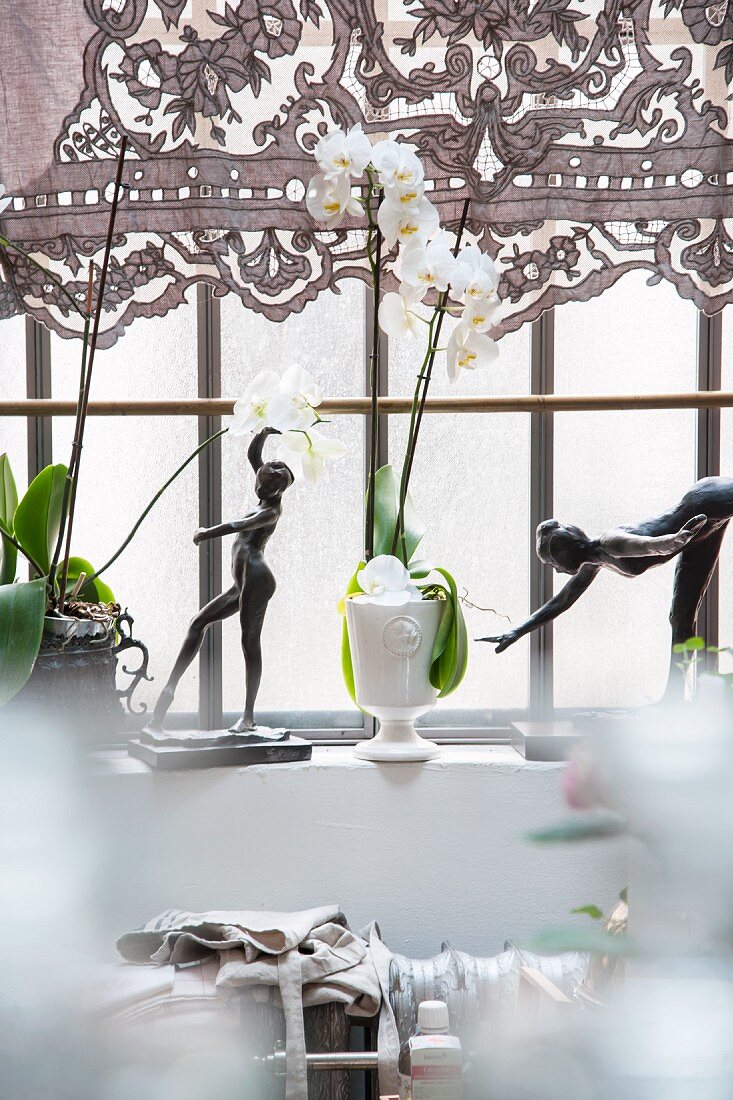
(205, 739)
(196, 749)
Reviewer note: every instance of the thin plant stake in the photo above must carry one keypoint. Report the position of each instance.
(74, 446)
(90, 365)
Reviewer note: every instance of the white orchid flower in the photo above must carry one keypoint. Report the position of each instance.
(307, 452)
(329, 200)
(397, 317)
(343, 154)
(385, 580)
(250, 411)
(412, 225)
(475, 277)
(480, 314)
(295, 403)
(404, 196)
(468, 350)
(429, 266)
(398, 165)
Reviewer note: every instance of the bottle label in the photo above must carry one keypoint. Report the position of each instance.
(436, 1067)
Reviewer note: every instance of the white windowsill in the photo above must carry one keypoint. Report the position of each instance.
(501, 758)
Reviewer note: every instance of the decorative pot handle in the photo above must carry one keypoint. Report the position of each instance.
(123, 626)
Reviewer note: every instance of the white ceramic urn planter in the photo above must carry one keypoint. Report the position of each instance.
(391, 651)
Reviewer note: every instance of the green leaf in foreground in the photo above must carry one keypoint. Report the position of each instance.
(555, 941)
(591, 911)
(586, 827)
(691, 644)
(22, 609)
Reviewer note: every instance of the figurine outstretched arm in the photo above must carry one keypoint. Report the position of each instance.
(254, 451)
(624, 544)
(249, 523)
(564, 599)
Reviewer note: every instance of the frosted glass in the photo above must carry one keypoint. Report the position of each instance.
(612, 647)
(725, 629)
(13, 435)
(319, 540)
(125, 461)
(470, 486)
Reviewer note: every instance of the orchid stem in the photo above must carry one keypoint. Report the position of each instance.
(375, 261)
(155, 499)
(418, 409)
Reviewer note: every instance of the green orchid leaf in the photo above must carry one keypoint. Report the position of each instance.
(453, 660)
(95, 591)
(420, 569)
(445, 631)
(347, 665)
(8, 504)
(386, 509)
(22, 609)
(38, 516)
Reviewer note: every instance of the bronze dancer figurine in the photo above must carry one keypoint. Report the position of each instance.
(694, 529)
(253, 588)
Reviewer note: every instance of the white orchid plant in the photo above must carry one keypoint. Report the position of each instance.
(385, 182)
(288, 405)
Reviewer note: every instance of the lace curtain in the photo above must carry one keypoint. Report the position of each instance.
(592, 138)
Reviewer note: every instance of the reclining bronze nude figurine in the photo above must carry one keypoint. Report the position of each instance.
(694, 529)
(253, 588)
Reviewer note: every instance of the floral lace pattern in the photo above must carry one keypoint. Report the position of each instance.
(591, 137)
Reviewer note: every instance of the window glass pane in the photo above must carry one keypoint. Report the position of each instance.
(125, 461)
(13, 437)
(319, 540)
(470, 486)
(613, 468)
(725, 629)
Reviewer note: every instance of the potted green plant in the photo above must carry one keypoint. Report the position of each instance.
(62, 628)
(405, 642)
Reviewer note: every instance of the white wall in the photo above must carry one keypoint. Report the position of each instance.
(432, 851)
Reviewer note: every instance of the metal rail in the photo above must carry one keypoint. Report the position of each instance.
(529, 403)
(332, 1060)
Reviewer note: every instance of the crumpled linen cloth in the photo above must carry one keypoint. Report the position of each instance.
(306, 958)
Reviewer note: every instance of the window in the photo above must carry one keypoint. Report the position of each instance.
(481, 484)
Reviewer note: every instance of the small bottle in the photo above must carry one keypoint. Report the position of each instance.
(431, 1060)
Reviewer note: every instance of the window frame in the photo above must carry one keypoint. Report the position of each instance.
(327, 726)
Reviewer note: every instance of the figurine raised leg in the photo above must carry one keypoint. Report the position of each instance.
(222, 607)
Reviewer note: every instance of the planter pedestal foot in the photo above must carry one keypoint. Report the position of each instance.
(395, 742)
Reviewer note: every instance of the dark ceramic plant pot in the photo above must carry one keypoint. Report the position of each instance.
(75, 673)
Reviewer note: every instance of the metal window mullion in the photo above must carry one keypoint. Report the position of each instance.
(542, 381)
(38, 385)
(370, 724)
(709, 377)
(209, 468)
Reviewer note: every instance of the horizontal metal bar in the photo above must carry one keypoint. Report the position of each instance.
(347, 1059)
(529, 403)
